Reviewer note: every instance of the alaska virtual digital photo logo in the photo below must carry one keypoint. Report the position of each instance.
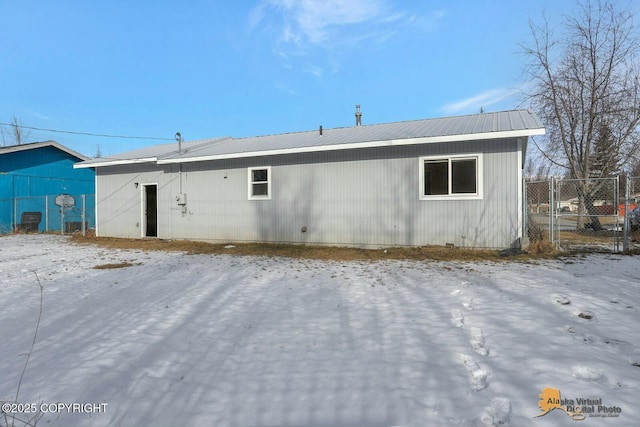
(578, 409)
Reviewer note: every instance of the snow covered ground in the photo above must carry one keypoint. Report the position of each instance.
(214, 340)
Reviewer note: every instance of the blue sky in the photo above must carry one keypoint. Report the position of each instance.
(243, 68)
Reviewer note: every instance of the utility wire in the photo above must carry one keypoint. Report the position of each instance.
(88, 133)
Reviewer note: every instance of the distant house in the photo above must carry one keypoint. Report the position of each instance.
(32, 175)
(574, 203)
(452, 180)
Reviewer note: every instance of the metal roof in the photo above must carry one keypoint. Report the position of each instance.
(148, 154)
(503, 124)
(35, 145)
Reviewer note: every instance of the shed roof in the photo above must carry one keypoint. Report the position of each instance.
(34, 145)
(504, 124)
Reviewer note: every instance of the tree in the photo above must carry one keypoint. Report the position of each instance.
(634, 174)
(605, 156)
(13, 133)
(586, 89)
(634, 167)
(537, 169)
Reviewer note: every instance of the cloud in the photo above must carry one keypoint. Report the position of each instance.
(315, 36)
(285, 89)
(315, 21)
(483, 99)
(315, 70)
(36, 114)
(428, 23)
(303, 25)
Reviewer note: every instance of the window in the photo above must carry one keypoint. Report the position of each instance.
(436, 177)
(453, 177)
(260, 183)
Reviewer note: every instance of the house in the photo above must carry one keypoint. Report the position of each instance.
(32, 175)
(452, 180)
(573, 204)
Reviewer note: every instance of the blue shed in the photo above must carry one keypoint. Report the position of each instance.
(33, 175)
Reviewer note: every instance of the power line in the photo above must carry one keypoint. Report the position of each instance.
(87, 133)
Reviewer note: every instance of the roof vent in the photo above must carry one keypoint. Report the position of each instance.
(179, 139)
(320, 130)
(358, 116)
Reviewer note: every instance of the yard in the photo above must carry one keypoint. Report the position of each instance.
(166, 338)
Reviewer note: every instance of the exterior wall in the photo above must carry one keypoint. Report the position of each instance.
(44, 171)
(119, 195)
(41, 172)
(367, 197)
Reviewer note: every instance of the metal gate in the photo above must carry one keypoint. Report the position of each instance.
(577, 214)
(586, 214)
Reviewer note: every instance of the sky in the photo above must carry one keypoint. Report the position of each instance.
(245, 68)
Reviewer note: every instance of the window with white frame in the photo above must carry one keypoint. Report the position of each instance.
(259, 183)
(451, 177)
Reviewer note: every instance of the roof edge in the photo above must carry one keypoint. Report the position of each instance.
(41, 144)
(371, 144)
(94, 164)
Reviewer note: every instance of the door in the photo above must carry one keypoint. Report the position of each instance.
(150, 213)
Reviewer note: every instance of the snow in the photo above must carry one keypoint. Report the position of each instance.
(220, 340)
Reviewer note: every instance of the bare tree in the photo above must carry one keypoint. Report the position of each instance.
(13, 133)
(4, 135)
(634, 167)
(537, 175)
(586, 89)
(537, 169)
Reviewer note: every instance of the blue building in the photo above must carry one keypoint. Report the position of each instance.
(33, 176)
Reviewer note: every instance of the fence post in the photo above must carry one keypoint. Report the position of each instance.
(524, 235)
(552, 208)
(627, 200)
(616, 201)
(83, 216)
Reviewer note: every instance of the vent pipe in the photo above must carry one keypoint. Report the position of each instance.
(179, 139)
(320, 130)
(358, 116)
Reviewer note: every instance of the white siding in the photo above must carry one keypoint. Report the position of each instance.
(354, 197)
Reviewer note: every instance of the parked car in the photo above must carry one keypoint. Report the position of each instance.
(634, 219)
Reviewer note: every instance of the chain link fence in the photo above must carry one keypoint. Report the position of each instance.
(585, 214)
(63, 213)
(631, 212)
(538, 207)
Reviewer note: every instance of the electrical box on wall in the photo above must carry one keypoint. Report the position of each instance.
(181, 199)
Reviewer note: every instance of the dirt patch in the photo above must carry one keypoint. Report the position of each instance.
(436, 253)
(543, 248)
(110, 266)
